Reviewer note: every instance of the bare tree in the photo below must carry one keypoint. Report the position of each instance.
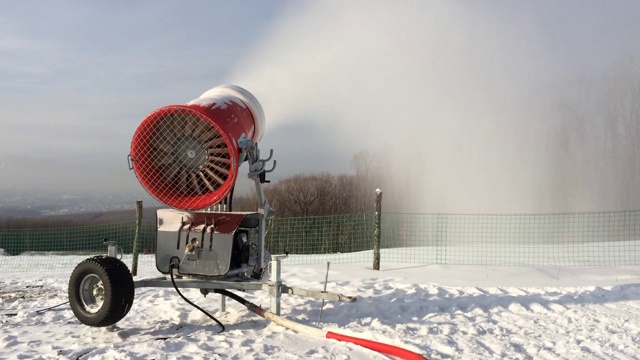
(303, 195)
(598, 139)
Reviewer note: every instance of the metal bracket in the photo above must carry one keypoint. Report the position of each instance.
(257, 166)
(257, 174)
(130, 161)
(112, 248)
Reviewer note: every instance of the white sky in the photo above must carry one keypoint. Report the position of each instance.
(76, 78)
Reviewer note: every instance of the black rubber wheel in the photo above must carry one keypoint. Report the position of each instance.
(101, 291)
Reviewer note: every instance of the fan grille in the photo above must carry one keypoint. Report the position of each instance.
(183, 159)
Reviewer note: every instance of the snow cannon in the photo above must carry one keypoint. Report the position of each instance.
(187, 156)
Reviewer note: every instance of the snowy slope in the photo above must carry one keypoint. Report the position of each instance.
(442, 312)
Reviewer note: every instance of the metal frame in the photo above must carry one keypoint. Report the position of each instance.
(274, 286)
(257, 173)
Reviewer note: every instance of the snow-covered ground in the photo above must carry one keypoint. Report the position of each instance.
(440, 311)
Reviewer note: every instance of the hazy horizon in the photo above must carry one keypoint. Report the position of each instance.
(458, 98)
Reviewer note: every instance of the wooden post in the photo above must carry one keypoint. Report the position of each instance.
(377, 231)
(136, 239)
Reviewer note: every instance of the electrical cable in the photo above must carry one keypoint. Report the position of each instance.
(39, 311)
(173, 266)
(50, 308)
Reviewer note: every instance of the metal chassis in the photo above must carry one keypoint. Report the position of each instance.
(274, 286)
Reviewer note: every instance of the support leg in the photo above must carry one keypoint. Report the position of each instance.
(276, 291)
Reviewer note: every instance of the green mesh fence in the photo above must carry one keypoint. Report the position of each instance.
(575, 239)
(569, 239)
(76, 240)
(57, 249)
(343, 234)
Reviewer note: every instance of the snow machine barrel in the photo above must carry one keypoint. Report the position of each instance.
(187, 156)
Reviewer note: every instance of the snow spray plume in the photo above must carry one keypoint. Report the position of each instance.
(451, 99)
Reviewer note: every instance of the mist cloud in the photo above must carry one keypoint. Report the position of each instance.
(446, 92)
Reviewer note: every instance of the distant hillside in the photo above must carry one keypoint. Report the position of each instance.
(22, 219)
(16, 212)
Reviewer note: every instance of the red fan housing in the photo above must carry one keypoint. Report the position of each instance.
(187, 156)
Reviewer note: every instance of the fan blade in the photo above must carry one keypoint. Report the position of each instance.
(208, 135)
(218, 151)
(217, 159)
(183, 181)
(194, 183)
(189, 125)
(206, 182)
(220, 169)
(164, 160)
(200, 129)
(215, 142)
(214, 176)
(172, 171)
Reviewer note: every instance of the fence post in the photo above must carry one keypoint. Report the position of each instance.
(441, 239)
(136, 239)
(377, 231)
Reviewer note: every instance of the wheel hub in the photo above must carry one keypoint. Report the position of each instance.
(92, 293)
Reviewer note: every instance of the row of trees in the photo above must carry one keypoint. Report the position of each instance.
(314, 195)
(596, 142)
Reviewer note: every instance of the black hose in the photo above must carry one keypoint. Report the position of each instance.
(171, 267)
(248, 304)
